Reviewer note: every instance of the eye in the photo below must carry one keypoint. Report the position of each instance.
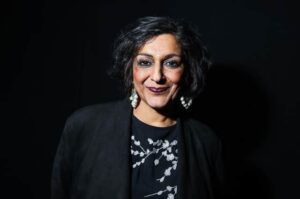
(172, 63)
(144, 63)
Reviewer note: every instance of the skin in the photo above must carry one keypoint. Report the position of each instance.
(157, 72)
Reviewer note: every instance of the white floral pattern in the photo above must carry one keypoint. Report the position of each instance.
(162, 149)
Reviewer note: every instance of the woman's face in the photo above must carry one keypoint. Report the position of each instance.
(157, 71)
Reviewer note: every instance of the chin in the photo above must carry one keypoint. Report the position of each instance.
(157, 107)
(158, 104)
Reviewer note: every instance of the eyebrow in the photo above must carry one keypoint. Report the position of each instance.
(165, 57)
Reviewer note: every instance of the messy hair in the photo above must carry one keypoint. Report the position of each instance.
(194, 53)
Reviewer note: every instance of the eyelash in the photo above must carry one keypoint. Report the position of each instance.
(168, 63)
(144, 63)
(172, 64)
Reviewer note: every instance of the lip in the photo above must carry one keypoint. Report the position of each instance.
(158, 90)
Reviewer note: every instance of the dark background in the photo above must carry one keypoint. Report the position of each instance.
(54, 55)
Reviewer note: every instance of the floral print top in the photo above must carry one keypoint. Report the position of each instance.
(154, 153)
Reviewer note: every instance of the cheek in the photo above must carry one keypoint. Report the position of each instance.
(139, 75)
(176, 76)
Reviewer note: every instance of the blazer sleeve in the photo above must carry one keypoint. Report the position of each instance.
(61, 171)
(218, 174)
(214, 148)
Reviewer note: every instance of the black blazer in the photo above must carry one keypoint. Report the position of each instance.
(93, 156)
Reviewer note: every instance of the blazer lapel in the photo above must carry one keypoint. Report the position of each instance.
(181, 161)
(193, 174)
(121, 131)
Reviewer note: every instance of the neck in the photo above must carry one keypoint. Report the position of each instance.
(153, 117)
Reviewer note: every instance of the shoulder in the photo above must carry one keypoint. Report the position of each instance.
(93, 122)
(201, 135)
(87, 120)
(96, 112)
(199, 129)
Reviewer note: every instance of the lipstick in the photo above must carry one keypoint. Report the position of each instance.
(158, 90)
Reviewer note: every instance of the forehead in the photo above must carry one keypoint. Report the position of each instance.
(161, 45)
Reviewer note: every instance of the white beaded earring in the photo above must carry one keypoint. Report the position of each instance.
(134, 98)
(186, 102)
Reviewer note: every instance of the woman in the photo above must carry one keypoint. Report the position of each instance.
(145, 147)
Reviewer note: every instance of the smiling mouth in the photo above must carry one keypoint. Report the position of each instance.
(160, 90)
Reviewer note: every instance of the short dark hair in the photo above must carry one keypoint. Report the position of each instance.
(194, 53)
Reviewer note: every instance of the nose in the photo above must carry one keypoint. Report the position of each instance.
(157, 74)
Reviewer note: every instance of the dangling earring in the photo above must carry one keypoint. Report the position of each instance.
(186, 102)
(134, 98)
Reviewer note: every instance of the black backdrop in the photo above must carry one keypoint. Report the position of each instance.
(55, 54)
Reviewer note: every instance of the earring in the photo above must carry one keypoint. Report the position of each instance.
(134, 98)
(186, 102)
